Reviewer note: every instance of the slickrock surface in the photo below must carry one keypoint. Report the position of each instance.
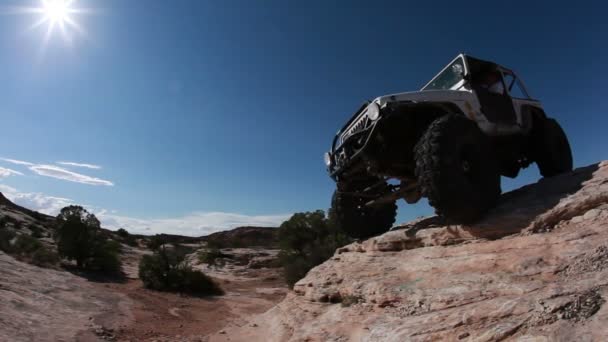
(535, 269)
(38, 304)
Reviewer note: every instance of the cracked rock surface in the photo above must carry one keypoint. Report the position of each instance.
(534, 269)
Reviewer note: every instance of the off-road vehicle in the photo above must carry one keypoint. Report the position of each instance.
(449, 142)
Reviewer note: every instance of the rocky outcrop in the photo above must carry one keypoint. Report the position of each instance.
(243, 237)
(535, 269)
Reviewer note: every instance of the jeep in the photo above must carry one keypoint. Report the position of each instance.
(449, 142)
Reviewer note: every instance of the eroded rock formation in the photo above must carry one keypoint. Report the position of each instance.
(535, 269)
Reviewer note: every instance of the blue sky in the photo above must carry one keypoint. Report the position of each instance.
(203, 115)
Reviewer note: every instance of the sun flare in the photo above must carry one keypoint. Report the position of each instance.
(56, 16)
(56, 10)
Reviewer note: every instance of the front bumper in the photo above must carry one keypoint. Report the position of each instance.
(350, 144)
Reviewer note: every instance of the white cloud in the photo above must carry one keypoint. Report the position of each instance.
(4, 172)
(88, 166)
(64, 174)
(18, 162)
(49, 205)
(195, 224)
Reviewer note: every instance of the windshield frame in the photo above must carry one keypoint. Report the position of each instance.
(455, 85)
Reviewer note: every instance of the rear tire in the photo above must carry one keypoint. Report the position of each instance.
(552, 149)
(456, 169)
(356, 219)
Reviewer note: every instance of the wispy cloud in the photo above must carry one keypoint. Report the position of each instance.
(58, 172)
(5, 172)
(17, 162)
(88, 166)
(195, 224)
(64, 174)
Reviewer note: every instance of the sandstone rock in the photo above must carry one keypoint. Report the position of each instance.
(535, 269)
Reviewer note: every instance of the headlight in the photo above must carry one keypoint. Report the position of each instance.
(373, 111)
(327, 159)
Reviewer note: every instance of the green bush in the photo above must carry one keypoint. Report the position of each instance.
(126, 238)
(45, 257)
(106, 258)
(196, 282)
(26, 245)
(123, 233)
(307, 240)
(166, 270)
(27, 248)
(6, 236)
(211, 257)
(36, 231)
(156, 242)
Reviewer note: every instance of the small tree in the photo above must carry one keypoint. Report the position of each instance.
(77, 234)
(126, 238)
(123, 233)
(79, 238)
(307, 240)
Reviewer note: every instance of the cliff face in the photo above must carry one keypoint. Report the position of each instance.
(535, 269)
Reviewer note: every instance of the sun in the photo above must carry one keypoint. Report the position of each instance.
(57, 11)
(55, 16)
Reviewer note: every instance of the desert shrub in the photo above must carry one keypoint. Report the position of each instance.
(307, 240)
(156, 242)
(79, 238)
(196, 282)
(167, 270)
(6, 236)
(106, 258)
(123, 233)
(45, 257)
(211, 257)
(26, 245)
(29, 249)
(36, 231)
(125, 237)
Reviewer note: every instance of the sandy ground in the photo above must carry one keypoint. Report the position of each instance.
(172, 317)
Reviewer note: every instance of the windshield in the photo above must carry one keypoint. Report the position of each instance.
(449, 77)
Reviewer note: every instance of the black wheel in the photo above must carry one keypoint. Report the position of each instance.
(356, 219)
(551, 149)
(456, 169)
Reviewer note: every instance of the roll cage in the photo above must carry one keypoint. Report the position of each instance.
(466, 69)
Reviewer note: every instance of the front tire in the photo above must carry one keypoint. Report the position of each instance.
(456, 169)
(352, 216)
(552, 149)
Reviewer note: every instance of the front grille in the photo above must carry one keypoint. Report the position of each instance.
(356, 126)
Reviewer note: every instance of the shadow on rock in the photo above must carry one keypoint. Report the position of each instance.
(96, 276)
(534, 208)
(519, 209)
